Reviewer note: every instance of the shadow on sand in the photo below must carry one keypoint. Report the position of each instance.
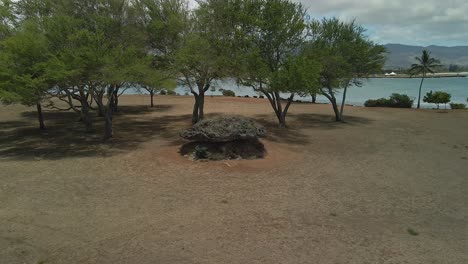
(294, 133)
(66, 137)
(133, 125)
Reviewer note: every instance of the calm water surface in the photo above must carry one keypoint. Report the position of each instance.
(372, 89)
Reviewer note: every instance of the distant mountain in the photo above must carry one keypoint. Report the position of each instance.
(402, 56)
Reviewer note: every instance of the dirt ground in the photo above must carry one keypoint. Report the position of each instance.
(387, 186)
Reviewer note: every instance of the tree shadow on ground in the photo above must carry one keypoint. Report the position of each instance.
(133, 125)
(66, 136)
(294, 134)
(320, 121)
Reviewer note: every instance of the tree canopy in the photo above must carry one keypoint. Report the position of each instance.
(346, 54)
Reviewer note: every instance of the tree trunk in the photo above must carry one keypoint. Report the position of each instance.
(343, 102)
(314, 98)
(201, 106)
(40, 117)
(331, 97)
(420, 88)
(336, 110)
(115, 98)
(101, 110)
(85, 116)
(283, 113)
(108, 130)
(195, 110)
(152, 95)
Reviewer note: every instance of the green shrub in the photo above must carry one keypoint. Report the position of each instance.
(458, 106)
(170, 92)
(401, 101)
(163, 92)
(437, 98)
(396, 100)
(229, 93)
(201, 152)
(382, 102)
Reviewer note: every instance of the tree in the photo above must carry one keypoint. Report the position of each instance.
(157, 85)
(346, 55)
(298, 76)
(437, 98)
(7, 18)
(269, 53)
(28, 68)
(426, 64)
(203, 56)
(101, 44)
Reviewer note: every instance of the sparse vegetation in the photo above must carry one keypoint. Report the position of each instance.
(457, 106)
(229, 93)
(396, 100)
(412, 232)
(437, 98)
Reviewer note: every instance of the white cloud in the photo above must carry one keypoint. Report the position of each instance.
(418, 22)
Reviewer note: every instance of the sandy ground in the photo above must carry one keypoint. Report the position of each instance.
(326, 193)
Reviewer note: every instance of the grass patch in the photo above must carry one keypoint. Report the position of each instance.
(412, 232)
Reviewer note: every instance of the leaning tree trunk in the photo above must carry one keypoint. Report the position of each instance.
(285, 111)
(420, 88)
(275, 102)
(314, 98)
(336, 110)
(343, 102)
(40, 117)
(331, 97)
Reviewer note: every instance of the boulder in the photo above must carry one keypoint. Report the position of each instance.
(224, 129)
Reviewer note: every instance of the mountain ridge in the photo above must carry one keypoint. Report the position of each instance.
(402, 56)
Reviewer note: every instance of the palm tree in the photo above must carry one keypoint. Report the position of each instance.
(425, 64)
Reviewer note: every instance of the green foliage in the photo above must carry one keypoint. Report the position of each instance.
(412, 232)
(298, 75)
(273, 31)
(396, 100)
(229, 93)
(346, 56)
(7, 18)
(344, 51)
(201, 152)
(457, 106)
(437, 98)
(425, 64)
(27, 66)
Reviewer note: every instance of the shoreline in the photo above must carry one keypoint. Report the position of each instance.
(406, 76)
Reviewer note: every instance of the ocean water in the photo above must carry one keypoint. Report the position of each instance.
(372, 89)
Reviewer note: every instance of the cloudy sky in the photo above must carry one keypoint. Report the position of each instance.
(413, 22)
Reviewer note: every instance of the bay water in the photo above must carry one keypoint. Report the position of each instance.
(373, 88)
